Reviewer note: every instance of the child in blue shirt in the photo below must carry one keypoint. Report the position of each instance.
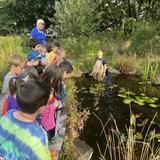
(21, 137)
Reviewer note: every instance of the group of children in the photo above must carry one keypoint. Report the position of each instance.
(34, 90)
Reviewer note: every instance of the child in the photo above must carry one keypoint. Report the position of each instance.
(66, 68)
(35, 44)
(20, 135)
(99, 68)
(53, 77)
(33, 59)
(61, 56)
(10, 100)
(51, 57)
(16, 64)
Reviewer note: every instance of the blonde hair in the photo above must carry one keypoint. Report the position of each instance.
(16, 60)
(100, 54)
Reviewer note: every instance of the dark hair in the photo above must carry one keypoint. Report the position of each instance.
(56, 44)
(52, 76)
(48, 46)
(32, 95)
(34, 42)
(16, 81)
(66, 66)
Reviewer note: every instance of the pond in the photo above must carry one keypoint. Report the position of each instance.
(114, 97)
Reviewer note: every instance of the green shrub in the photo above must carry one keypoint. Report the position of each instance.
(144, 39)
(75, 18)
(126, 63)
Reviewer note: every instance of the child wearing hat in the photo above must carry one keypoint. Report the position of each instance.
(33, 59)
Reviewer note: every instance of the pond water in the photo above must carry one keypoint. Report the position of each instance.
(111, 101)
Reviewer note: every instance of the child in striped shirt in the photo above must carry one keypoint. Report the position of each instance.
(21, 137)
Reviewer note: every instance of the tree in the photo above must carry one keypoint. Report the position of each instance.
(20, 16)
(75, 18)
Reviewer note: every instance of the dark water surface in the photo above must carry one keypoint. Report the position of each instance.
(109, 103)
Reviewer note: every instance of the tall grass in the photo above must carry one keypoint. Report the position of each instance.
(129, 147)
(126, 63)
(8, 46)
(150, 70)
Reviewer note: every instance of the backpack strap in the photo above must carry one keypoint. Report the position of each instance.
(4, 108)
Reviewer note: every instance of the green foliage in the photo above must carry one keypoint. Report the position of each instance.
(75, 18)
(131, 97)
(126, 63)
(19, 16)
(82, 50)
(150, 70)
(143, 39)
(9, 45)
(124, 146)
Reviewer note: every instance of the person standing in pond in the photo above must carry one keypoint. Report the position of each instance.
(100, 67)
(38, 31)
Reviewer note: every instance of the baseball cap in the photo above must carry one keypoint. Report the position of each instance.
(33, 55)
(40, 21)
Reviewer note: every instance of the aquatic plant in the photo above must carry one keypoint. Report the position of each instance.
(150, 70)
(132, 145)
(75, 120)
(141, 99)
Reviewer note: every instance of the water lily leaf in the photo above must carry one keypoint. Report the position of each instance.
(111, 87)
(122, 90)
(153, 105)
(129, 93)
(139, 99)
(141, 103)
(122, 95)
(150, 101)
(114, 85)
(138, 102)
(127, 100)
(139, 136)
(155, 98)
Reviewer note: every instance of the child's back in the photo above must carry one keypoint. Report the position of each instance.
(22, 140)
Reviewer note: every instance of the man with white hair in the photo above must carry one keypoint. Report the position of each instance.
(38, 31)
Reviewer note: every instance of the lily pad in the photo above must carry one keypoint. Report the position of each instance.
(127, 100)
(122, 90)
(143, 94)
(129, 93)
(153, 105)
(155, 98)
(122, 95)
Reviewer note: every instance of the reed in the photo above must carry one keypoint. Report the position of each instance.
(130, 147)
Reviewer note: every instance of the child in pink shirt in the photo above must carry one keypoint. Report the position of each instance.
(52, 76)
